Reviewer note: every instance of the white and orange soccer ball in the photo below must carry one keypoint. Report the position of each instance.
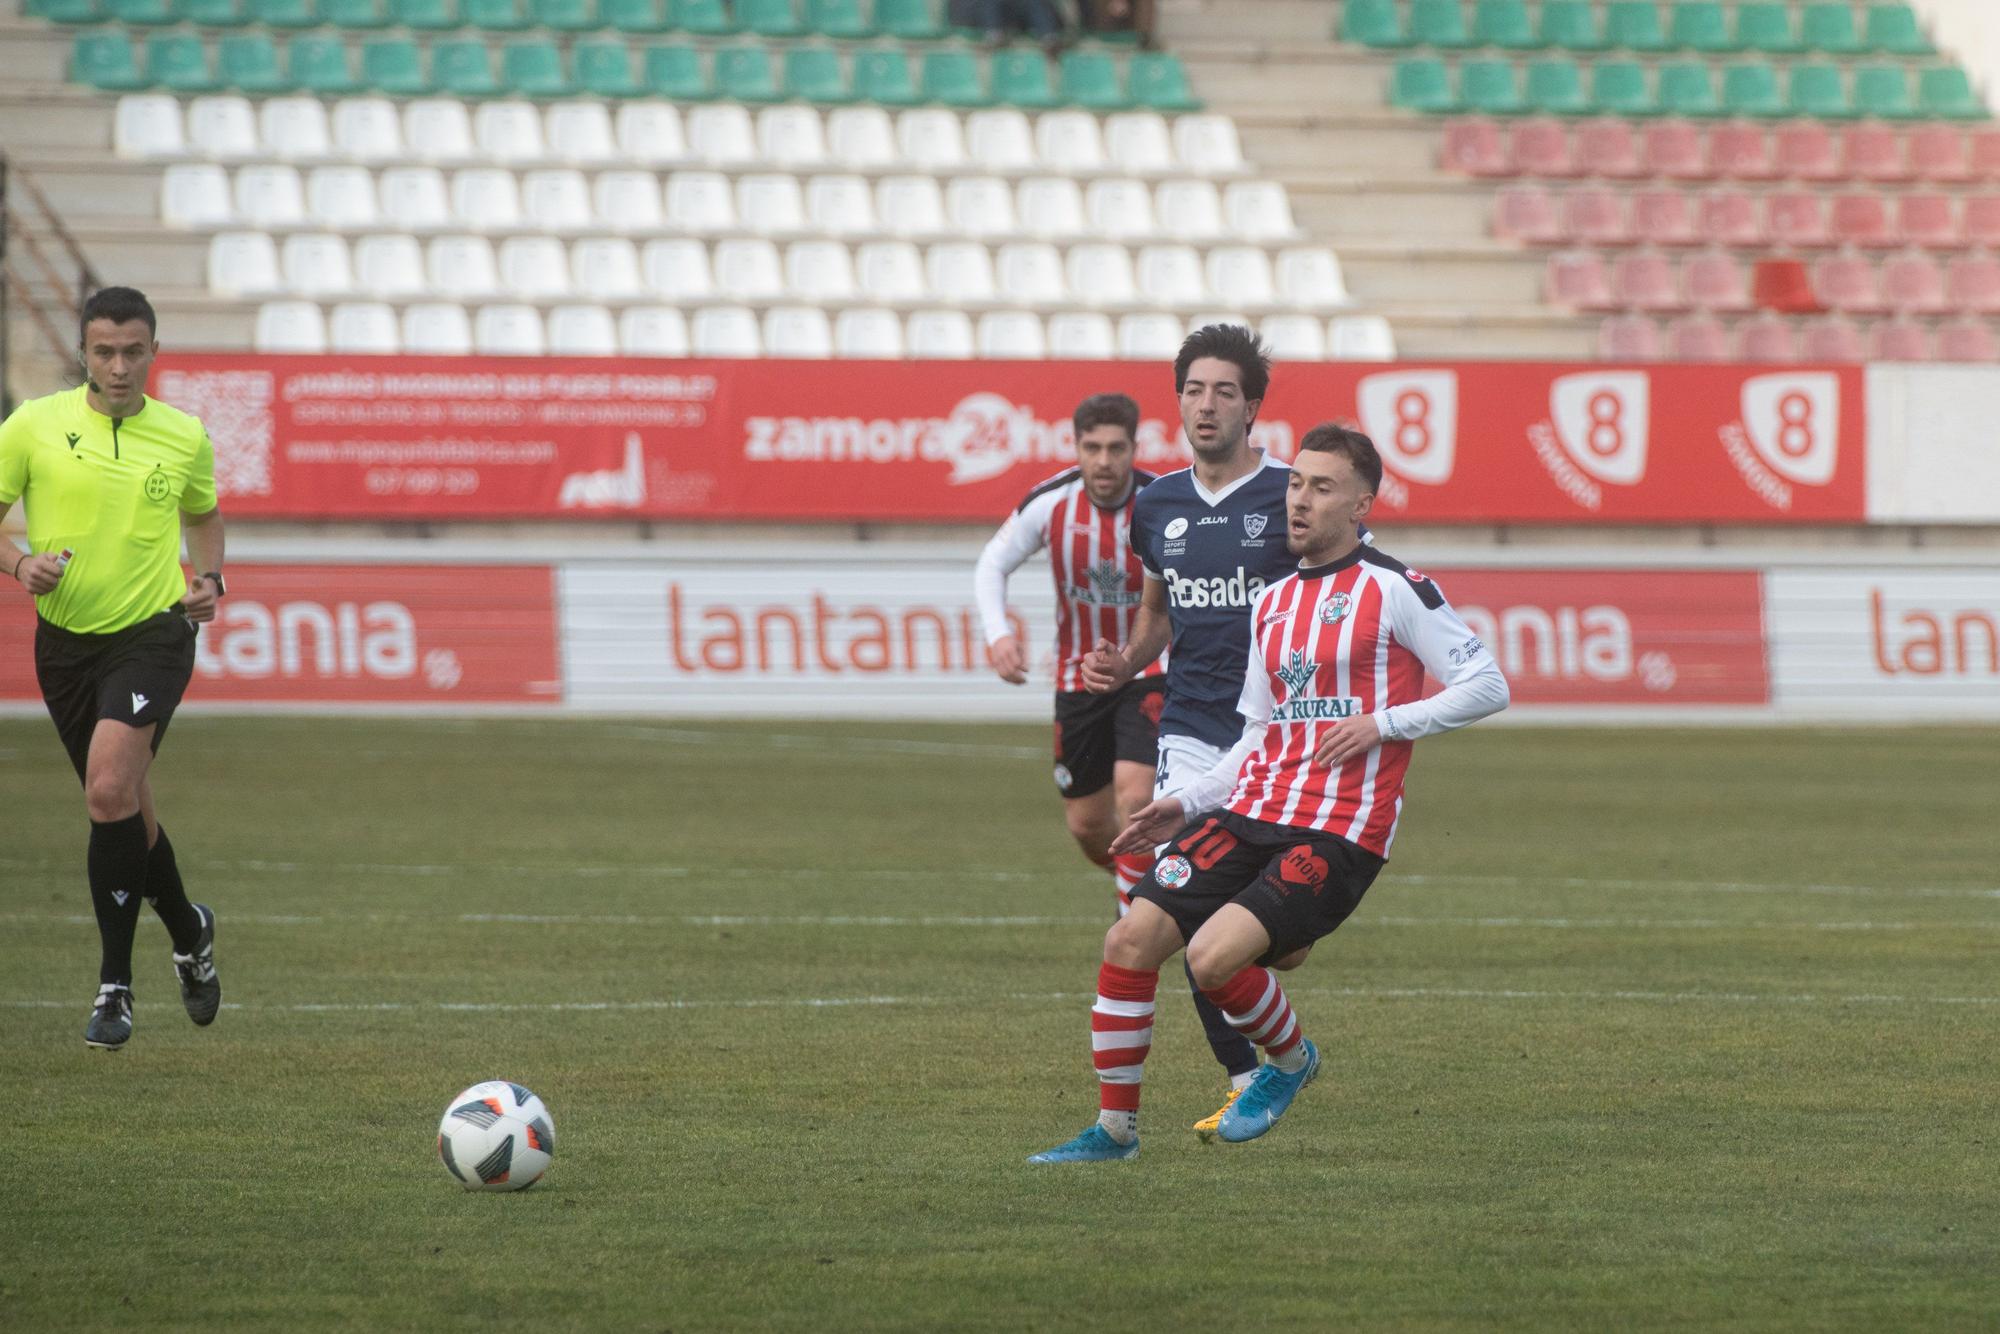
(496, 1136)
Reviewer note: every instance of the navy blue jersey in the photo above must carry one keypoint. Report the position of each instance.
(1215, 558)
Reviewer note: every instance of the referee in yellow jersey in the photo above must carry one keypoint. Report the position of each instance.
(110, 478)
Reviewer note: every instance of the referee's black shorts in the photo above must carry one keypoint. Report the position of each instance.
(135, 676)
(1094, 732)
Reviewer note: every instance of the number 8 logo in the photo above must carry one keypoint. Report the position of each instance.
(1413, 421)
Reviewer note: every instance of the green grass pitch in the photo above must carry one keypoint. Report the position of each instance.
(1641, 1030)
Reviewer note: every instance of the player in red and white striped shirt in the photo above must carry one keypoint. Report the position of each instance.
(1105, 744)
(1285, 834)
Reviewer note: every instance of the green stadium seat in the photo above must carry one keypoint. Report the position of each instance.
(1946, 92)
(640, 16)
(1491, 87)
(177, 62)
(425, 15)
(1556, 88)
(494, 15)
(68, 11)
(1376, 23)
(534, 69)
(1090, 79)
(813, 74)
(248, 62)
(319, 65)
(1884, 91)
(1439, 23)
(1687, 88)
(214, 13)
(1422, 83)
(357, 14)
(1701, 26)
(1767, 28)
(1894, 29)
(285, 13)
(1819, 92)
(604, 69)
(1634, 25)
(744, 74)
(106, 60)
(394, 66)
(1621, 88)
(911, 20)
(770, 18)
(952, 77)
(1505, 24)
(1021, 79)
(141, 13)
(1752, 90)
(1571, 25)
(567, 15)
(704, 18)
(1829, 29)
(1158, 81)
(678, 74)
(464, 68)
(884, 76)
(842, 19)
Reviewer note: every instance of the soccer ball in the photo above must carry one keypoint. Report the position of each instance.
(496, 1136)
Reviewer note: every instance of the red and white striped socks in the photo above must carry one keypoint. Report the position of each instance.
(1121, 1033)
(1126, 873)
(1255, 1006)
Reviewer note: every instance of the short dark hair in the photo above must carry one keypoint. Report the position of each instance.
(1350, 444)
(1226, 342)
(1107, 410)
(119, 305)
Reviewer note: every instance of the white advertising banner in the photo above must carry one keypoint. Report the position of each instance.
(1875, 643)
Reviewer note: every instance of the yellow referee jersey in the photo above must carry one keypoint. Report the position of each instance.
(112, 492)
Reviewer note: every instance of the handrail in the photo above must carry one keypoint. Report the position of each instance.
(65, 293)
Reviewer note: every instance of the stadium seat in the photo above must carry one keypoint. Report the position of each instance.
(650, 134)
(1258, 211)
(909, 20)
(270, 196)
(769, 18)
(1090, 79)
(840, 205)
(1571, 25)
(1833, 339)
(652, 331)
(289, 326)
(770, 204)
(580, 132)
(1783, 285)
(557, 202)
(815, 74)
(1477, 148)
(1423, 83)
(1376, 23)
(1847, 281)
(195, 195)
(148, 125)
(1899, 340)
(1505, 24)
(940, 335)
(1158, 81)
(66, 12)
(141, 13)
(1796, 220)
(1542, 148)
(394, 67)
(1069, 141)
(1628, 338)
(1491, 87)
(1021, 79)
(1938, 153)
(582, 331)
(1149, 337)
(1665, 218)
(1928, 220)
(1208, 144)
(1947, 93)
(911, 206)
(438, 129)
(1050, 206)
(1767, 339)
(697, 201)
(1077, 335)
(1741, 151)
(367, 129)
(1678, 151)
(1621, 88)
(980, 207)
(1829, 29)
(1972, 283)
(745, 74)
(508, 132)
(1766, 28)
(176, 62)
(677, 270)
(726, 331)
(1000, 141)
(1982, 221)
(722, 135)
(508, 331)
(1913, 284)
(1862, 220)
(797, 331)
(464, 68)
(1648, 281)
(1808, 151)
(243, 264)
(1883, 91)
(534, 268)
(1687, 88)
(1752, 90)
(952, 78)
(1634, 25)
(1609, 148)
(565, 16)
(1189, 210)
(704, 18)
(284, 13)
(1715, 281)
(1137, 143)
(1875, 153)
(1730, 218)
(1699, 337)
(862, 138)
(1893, 28)
(842, 19)
(319, 65)
(222, 127)
(1100, 276)
(748, 270)
(1439, 23)
(791, 137)
(821, 272)
(884, 77)
(1119, 209)
(868, 334)
(678, 74)
(1528, 214)
(355, 15)
(1555, 88)
(1031, 272)
(1579, 280)
(315, 264)
(890, 273)
(960, 273)
(1294, 337)
(389, 266)
(1967, 340)
(1241, 276)
(249, 63)
(462, 267)
(485, 199)
(425, 15)
(604, 69)
(1702, 25)
(1310, 278)
(1597, 218)
(929, 139)
(1360, 338)
(1171, 275)
(363, 327)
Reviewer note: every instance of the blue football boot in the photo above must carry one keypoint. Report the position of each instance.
(1094, 1145)
(1266, 1099)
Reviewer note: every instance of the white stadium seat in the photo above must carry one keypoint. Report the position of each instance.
(315, 264)
(770, 204)
(508, 132)
(390, 266)
(677, 270)
(1207, 144)
(652, 331)
(413, 198)
(650, 134)
(148, 125)
(270, 196)
(1069, 141)
(342, 197)
(364, 326)
(242, 264)
(1081, 335)
(1170, 275)
(534, 268)
(698, 201)
(1240, 275)
(1031, 272)
(557, 201)
(606, 268)
(797, 331)
(981, 206)
(1050, 206)
(840, 206)
(868, 333)
(1119, 209)
(485, 199)
(436, 329)
(1295, 337)
(294, 128)
(721, 135)
(909, 206)
(1258, 211)
(1189, 210)
(890, 273)
(940, 334)
(930, 140)
(367, 129)
(820, 272)
(629, 201)
(289, 326)
(960, 273)
(1360, 338)
(582, 331)
(1138, 144)
(1202, 319)
(1013, 335)
(748, 270)
(462, 267)
(437, 129)
(1309, 278)
(1150, 337)
(1001, 141)
(222, 127)
(508, 331)
(195, 194)
(791, 137)
(580, 133)
(1100, 275)
(861, 139)
(726, 331)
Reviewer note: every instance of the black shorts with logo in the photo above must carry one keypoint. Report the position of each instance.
(136, 675)
(1299, 883)
(1094, 732)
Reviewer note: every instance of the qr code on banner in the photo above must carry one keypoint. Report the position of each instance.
(235, 406)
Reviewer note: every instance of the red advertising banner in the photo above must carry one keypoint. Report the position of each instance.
(481, 438)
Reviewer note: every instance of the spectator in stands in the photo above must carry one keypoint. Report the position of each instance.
(1134, 16)
(1002, 18)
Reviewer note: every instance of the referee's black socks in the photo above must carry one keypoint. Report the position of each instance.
(117, 883)
(169, 897)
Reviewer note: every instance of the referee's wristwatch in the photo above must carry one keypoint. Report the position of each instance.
(215, 577)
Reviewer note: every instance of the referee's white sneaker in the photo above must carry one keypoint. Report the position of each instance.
(201, 990)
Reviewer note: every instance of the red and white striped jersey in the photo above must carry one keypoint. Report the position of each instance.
(1098, 577)
(1353, 637)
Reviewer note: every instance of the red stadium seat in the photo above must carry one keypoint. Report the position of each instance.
(1716, 281)
(1834, 339)
(1699, 338)
(1678, 150)
(1937, 153)
(1767, 338)
(1741, 151)
(1913, 283)
(1899, 340)
(1542, 148)
(1477, 148)
(1783, 285)
(1982, 150)
(1729, 217)
(1664, 217)
(1928, 220)
(1647, 281)
(1806, 152)
(1528, 214)
(1982, 220)
(1967, 340)
(1875, 153)
(1863, 220)
(1628, 338)
(1847, 281)
(1796, 220)
(1597, 217)
(1579, 280)
(1609, 148)
(1972, 284)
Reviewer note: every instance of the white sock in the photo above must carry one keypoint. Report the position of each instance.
(1292, 1061)
(1121, 1126)
(1242, 1081)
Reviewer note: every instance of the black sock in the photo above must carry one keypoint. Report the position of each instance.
(169, 897)
(1231, 1048)
(117, 866)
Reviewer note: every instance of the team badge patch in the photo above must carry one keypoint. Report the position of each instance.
(1416, 577)
(1253, 524)
(1173, 872)
(1063, 777)
(157, 486)
(1335, 609)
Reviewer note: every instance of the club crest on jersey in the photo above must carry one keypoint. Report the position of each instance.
(1173, 872)
(1253, 524)
(1298, 674)
(1334, 610)
(1416, 577)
